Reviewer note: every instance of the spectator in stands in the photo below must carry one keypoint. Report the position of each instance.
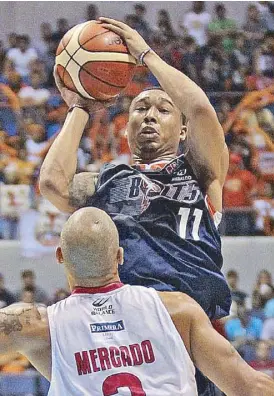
(59, 295)
(35, 143)
(257, 306)
(195, 23)
(262, 204)
(142, 26)
(92, 12)
(6, 297)
(28, 295)
(164, 26)
(239, 64)
(263, 361)
(34, 95)
(264, 285)
(118, 129)
(237, 193)
(18, 170)
(190, 63)
(237, 295)
(56, 111)
(38, 66)
(10, 77)
(243, 327)
(12, 40)
(254, 28)
(22, 55)
(223, 27)
(42, 44)
(62, 26)
(2, 56)
(28, 281)
(264, 57)
(268, 16)
(10, 110)
(268, 326)
(214, 66)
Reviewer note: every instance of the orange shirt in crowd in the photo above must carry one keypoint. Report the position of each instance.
(119, 124)
(238, 188)
(8, 98)
(13, 363)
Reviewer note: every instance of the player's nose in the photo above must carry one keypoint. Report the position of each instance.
(151, 115)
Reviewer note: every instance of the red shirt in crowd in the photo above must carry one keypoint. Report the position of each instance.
(238, 188)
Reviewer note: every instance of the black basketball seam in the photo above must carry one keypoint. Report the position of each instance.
(80, 45)
(92, 75)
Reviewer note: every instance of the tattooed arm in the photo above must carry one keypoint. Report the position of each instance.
(22, 326)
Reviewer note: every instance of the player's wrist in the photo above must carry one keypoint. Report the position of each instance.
(79, 106)
(143, 55)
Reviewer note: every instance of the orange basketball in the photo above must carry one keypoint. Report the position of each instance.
(94, 62)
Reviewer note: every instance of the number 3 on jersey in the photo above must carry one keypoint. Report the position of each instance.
(112, 384)
(185, 218)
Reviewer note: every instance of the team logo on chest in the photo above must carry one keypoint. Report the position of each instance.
(143, 190)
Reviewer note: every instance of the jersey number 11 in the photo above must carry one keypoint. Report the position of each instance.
(185, 216)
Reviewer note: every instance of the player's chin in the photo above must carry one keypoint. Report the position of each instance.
(149, 146)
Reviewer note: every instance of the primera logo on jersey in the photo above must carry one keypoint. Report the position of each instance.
(107, 327)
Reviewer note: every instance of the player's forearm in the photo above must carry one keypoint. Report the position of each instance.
(185, 93)
(60, 164)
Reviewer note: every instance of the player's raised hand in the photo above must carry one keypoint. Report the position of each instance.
(72, 98)
(134, 41)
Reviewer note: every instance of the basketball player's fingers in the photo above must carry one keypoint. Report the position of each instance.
(114, 29)
(114, 22)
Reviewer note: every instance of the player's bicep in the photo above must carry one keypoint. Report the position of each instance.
(206, 142)
(82, 186)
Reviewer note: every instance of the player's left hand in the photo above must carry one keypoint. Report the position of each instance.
(134, 41)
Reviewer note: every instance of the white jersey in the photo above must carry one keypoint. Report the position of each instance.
(117, 340)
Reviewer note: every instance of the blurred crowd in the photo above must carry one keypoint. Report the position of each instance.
(233, 64)
(249, 327)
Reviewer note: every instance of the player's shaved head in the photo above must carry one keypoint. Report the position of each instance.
(90, 244)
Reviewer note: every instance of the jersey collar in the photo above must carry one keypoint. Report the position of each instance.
(100, 289)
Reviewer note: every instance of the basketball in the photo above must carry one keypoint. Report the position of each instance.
(94, 62)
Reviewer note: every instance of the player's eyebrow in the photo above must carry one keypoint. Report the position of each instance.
(145, 99)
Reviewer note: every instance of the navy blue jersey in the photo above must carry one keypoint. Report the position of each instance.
(170, 240)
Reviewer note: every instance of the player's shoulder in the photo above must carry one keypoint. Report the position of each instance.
(21, 308)
(179, 304)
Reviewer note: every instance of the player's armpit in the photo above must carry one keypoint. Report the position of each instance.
(19, 323)
(82, 186)
(221, 363)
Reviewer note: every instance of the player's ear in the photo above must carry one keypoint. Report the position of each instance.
(183, 133)
(59, 255)
(120, 256)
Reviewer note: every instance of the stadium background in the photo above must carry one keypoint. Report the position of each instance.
(227, 50)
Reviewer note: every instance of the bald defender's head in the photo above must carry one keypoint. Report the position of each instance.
(89, 248)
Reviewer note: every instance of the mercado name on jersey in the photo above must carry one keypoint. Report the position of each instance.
(168, 229)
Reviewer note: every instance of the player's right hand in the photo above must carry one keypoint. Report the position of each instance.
(72, 98)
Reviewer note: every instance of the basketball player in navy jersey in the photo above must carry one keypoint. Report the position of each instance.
(166, 207)
(109, 338)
